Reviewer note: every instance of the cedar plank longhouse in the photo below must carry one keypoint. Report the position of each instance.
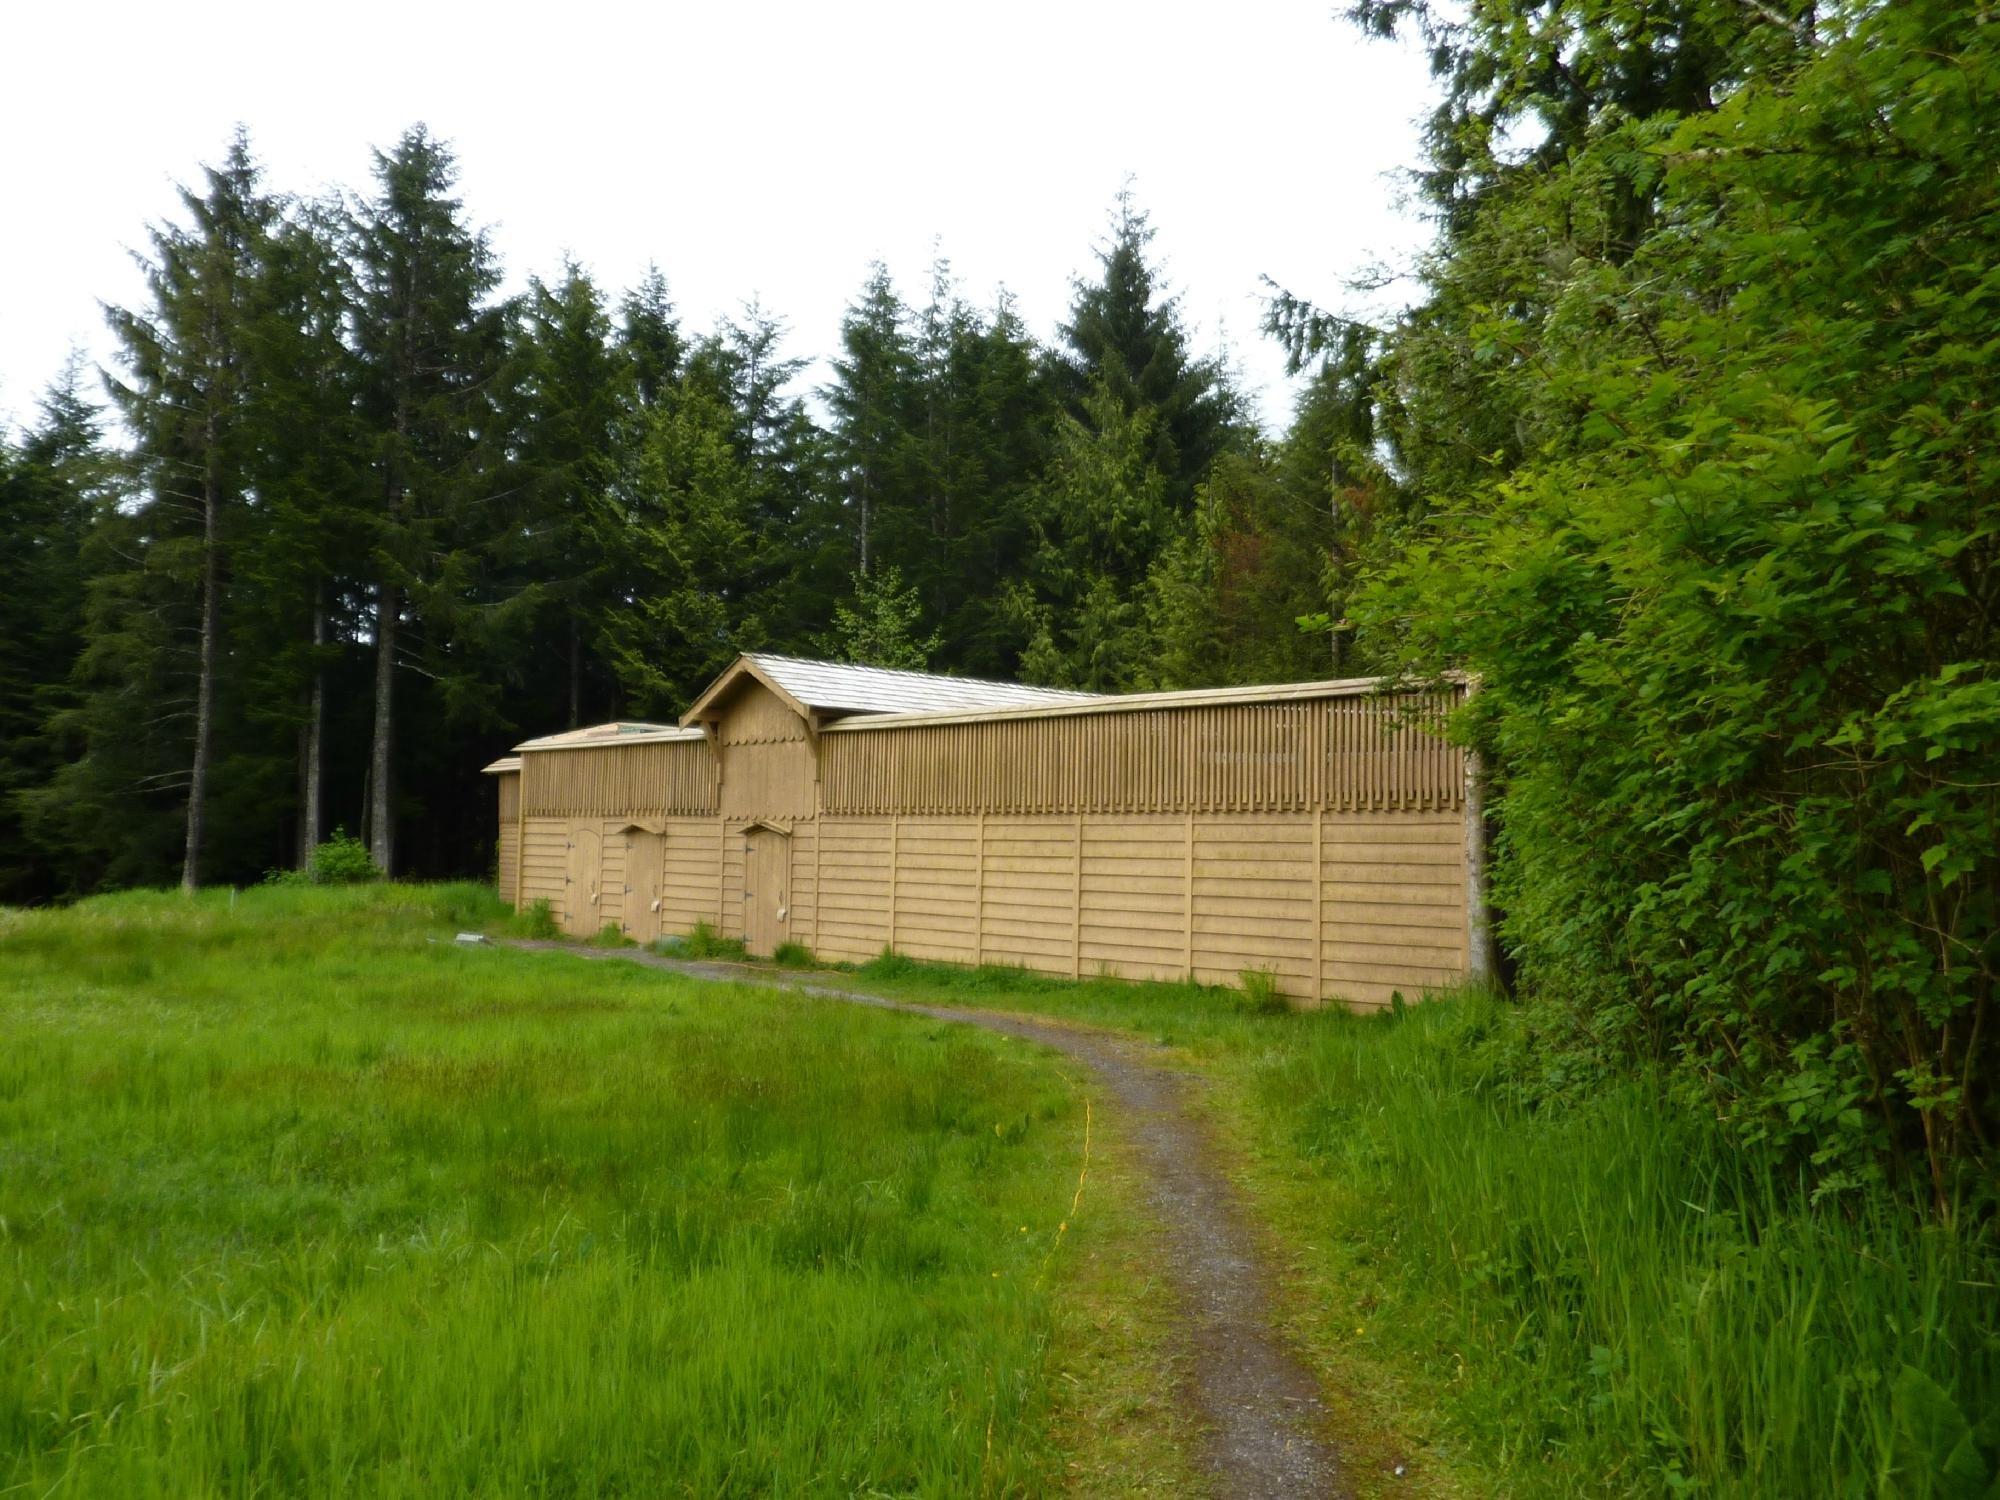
(1319, 831)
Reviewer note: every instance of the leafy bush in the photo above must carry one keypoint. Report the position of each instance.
(342, 860)
(1735, 616)
(793, 956)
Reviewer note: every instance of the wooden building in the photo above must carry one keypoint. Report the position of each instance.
(1321, 832)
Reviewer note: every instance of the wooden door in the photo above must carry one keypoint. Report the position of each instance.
(645, 867)
(767, 879)
(580, 881)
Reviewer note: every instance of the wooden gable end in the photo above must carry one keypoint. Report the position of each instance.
(765, 752)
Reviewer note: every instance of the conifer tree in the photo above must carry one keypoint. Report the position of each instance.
(52, 485)
(1125, 337)
(1102, 518)
(429, 341)
(870, 400)
(650, 335)
(304, 563)
(691, 499)
(573, 390)
(187, 399)
(795, 565)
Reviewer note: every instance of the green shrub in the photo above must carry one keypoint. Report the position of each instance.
(1734, 616)
(342, 860)
(611, 935)
(793, 956)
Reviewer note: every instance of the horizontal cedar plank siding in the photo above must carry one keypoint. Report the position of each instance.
(544, 862)
(1393, 905)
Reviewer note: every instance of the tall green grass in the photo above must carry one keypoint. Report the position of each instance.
(1603, 1296)
(1637, 1306)
(299, 1197)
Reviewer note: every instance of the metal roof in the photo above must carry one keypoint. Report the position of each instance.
(1112, 703)
(836, 688)
(880, 698)
(621, 732)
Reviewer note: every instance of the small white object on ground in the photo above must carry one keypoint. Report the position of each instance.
(473, 937)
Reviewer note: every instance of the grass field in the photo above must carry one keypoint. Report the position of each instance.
(296, 1198)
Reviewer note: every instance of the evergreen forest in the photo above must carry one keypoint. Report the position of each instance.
(1687, 447)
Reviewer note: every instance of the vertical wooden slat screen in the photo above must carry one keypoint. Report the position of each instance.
(674, 779)
(1342, 754)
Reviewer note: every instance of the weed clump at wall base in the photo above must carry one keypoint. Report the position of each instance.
(702, 942)
(537, 923)
(793, 956)
(1260, 995)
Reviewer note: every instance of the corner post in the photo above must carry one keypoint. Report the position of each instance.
(1480, 965)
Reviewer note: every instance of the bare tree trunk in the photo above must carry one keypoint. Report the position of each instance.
(867, 498)
(312, 738)
(204, 701)
(575, 673)
(382, 820)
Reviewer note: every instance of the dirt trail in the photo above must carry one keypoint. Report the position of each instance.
(1260, 1405)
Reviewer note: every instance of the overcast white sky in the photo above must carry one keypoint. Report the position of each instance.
(771, 150)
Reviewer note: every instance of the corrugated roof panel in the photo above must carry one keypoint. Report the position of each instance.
(1111, 703)
(621, 732)
(880, 690)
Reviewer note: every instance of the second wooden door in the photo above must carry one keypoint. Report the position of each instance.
(767, 878)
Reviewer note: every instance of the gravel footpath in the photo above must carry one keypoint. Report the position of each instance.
(1260, 1406)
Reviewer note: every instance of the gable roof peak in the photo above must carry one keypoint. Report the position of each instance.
(835, 689)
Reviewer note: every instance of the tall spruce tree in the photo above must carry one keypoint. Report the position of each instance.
(690, 498)
(1125, 337)
(304, 563)
(186, 398)
(982, 431)
(796, 564)
(870, 400)
(938, 436)
(429, 340)
(574, 391)
(649, 334)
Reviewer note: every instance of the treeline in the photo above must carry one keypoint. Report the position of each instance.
(375, 522)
